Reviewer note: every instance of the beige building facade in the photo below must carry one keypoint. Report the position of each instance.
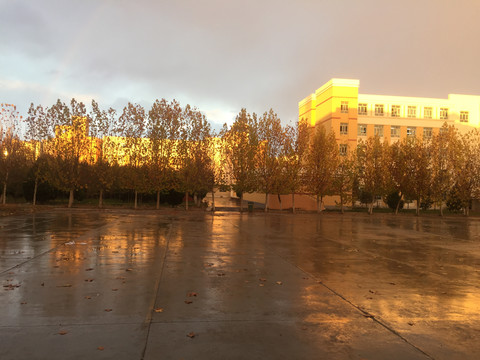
(338, 106)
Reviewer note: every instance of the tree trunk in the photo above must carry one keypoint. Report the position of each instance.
(398, 204)
(135, 201)
(441, 209)
(35, 187)
(100, 199)
(70, 198)
(213, 200)
(195, 199)
(266, 202)
(370, 206)
(293, 203)
(241, 202)
(4, 194)
(417, 212)
(280, 201)
(341, 205)
(186, 200)
(158, 199)
(318, 205)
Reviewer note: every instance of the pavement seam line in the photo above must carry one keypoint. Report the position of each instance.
(363, 312)
(358, 308)
(148, 320)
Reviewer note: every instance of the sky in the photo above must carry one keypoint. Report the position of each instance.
(221, 56)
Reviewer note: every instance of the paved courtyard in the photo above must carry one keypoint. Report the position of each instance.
(87, 284)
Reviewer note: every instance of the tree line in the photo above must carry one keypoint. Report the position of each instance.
(173, 148)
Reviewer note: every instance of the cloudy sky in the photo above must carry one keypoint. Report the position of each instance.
(222, 55)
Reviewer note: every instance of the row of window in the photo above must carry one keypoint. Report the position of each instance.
(395, 111)
(394, 133)
(394, 130)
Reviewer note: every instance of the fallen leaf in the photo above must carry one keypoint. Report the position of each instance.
(191, 335)
(101, 348)
(42, 284)
(65, 285)
(158, 310)
(188, 301)
(89, 269)
(23, 303)
(220, 274)
(108, 310)
(88, 297)
(128, 269)
(115, 252)
(262, 279)
(114, 289)
(279, 283)
(261, 284)
(62, 332)
(192, 294)
(411, 323)
(88, 280)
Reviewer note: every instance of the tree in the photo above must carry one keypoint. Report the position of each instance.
(11, 148)
(321, 162)
(194, 162)
(372, 157)
(271, 139)
(398, 179)
(417, 169)
(343, 180)
(295, 148)
(444, 151)
(218, 174)
(163, 130)
(132, 125)
(103, 156)
(70, 145)
(40, 132)
(241, 144)
(466, 170)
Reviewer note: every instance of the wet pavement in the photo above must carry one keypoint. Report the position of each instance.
(86, 284)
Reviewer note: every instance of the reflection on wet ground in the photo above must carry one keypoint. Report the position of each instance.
(134, 285)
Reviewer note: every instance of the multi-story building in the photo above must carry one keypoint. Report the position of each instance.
(339, 107)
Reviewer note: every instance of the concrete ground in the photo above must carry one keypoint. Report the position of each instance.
(86, 284)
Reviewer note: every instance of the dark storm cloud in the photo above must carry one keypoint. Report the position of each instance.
(224, 55)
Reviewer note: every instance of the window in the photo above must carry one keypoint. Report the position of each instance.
(444, 113)
(427, 112)
(411, 131)
(443, 130)
(395, 131)
(378, 109)
(427, 133)
(362, 109)
(342, 148)
(362, 130)
(412, 111)
(463, 116)
(344, 107)
(343, 128)
(395, 110)
(378, 130)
